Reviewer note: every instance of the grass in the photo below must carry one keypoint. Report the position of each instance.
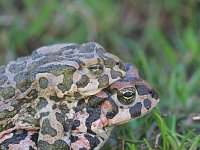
(160, 37)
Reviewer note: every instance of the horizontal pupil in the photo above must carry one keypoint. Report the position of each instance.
(128, 94)
(95, 67)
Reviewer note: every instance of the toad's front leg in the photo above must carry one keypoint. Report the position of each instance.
(55, 125)
(20, 139)
(51, 135)
(86, 141)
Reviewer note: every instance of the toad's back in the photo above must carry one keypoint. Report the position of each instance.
(62, 70)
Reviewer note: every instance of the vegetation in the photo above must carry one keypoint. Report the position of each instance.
(162, 38)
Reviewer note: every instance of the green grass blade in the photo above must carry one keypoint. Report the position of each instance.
(131, 146)
(163, 130)
(185, 139)
(173, 140)
(166, 48)
(195, 144)
(148, 145)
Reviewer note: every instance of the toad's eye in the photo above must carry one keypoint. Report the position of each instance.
(126, 96)
(96, 69)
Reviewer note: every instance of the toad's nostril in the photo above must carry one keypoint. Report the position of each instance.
(117, 63)
(154, 94)
(150, 91)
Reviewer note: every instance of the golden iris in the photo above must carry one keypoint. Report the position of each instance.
(126, 96)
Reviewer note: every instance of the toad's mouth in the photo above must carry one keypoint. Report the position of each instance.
(91, 92)
(81, 94)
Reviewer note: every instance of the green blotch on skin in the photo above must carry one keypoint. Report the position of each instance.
(115, 74)
(3, 79)
(16, 68)
(100, 51)
(4, 127)
(43, 145)
(24, 80)
(88, 56)
(60, 144)
(43, 114)
(64, 108)
(35, 55)
(87, 48)
(103, 81)
(1, 127)
(66, 70)
(61, 117)
(78, 95)
(95, 101)
(31, 111)
(109, 63)
(47, 129)
(44, 60)
(56, 99)
(54, 106)
(7, 114)
(83, 82)
(43, 82)
(57, 145)
(31, 120)
(122, 66)
(2, 115)
(33, 94)
(42, 103)
(20, 59)
(7, 92)
(17, 104)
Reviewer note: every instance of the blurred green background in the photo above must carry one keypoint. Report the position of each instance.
(161, 37)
